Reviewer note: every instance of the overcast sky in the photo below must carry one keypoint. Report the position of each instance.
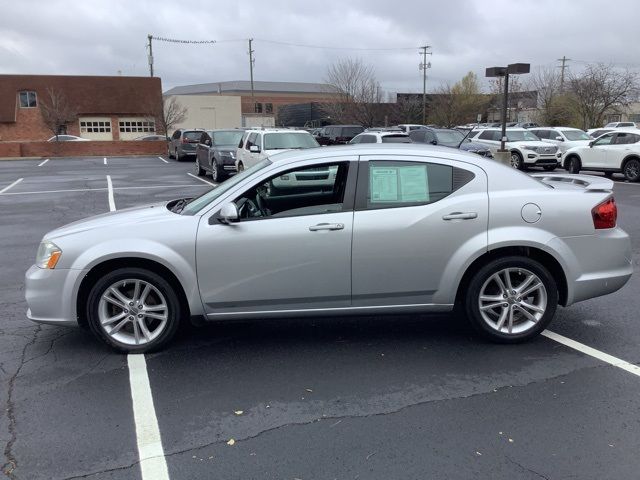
(82, 37)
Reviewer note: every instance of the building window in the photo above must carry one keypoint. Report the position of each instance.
(137, 126)
(89, 126)
(634, 117)
(257, 107)
(268, 107)
(28, 100)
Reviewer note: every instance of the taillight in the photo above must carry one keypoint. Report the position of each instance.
(605, 214)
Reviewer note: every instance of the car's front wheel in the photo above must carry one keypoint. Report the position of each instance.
(511, 299)
(573, 165)
(133, 310)
(517, 161)
(217, 174)
(631, 170)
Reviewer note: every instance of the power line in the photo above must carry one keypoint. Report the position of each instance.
(327, 47)
(176, 40)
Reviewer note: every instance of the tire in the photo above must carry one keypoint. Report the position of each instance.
(198, 169)
(124, 308)
(177, 155)
(541, 302)
(217, 174)
(169, 153)
(517, 161)
(608, 174)
(549, 168)
(631, 170)
(573, 164)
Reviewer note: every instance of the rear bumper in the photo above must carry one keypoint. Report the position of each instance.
(595, 265)
(50, 295)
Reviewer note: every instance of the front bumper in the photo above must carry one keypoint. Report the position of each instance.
(532, 158)
(51, 294)
(597, 264)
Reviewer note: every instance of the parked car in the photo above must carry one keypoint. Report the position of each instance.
(616, 151)
(620, 125)
(338, 134)
(596, 132)
(381, 137)
(563, 137)
(183, 143)
(409, 127)
(153, 138)
(256, 145)
(526, 149)
(399, 230)
(216, 153)
(526, 125)
(67, 138)
(449, 138)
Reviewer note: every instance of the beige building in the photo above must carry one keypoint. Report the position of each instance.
(209, 111)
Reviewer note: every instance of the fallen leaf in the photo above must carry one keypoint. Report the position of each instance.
(231, 442)
(238, 412)
(478, 453)
(511, 440)
(309, 390)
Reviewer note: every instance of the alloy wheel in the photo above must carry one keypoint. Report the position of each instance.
(515, 160)
(512, 300)
(133, 312)
(632, 170)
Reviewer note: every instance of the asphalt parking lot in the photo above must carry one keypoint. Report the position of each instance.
(345, 398)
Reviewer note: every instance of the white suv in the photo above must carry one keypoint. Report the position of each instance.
(256, 145)
(526, 149)
(563, 137)
(617, 151)
(380, 137)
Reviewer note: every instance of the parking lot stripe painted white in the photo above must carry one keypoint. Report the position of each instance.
(42, 163)
(12, 185)
(112, 202)
(165, 161)
(179, 185)
(105, 160)
(605, 357)
(153, 464)
(202, 180)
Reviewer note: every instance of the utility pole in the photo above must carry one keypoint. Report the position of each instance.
(149, 46)
(562, 67)
(253, 99)
(423, 66)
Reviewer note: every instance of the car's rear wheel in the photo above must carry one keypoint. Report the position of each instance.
(199, 170)
(133, 310)
(177, 156)
(573, 164)
(517, 161)
(511, 299)
(631, 170)
(169, 153)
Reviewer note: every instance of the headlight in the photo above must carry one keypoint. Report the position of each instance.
(232, 155)
(48, 255)
(530, 147)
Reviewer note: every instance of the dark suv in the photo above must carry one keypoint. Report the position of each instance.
(216, 153)
(338, 134)
(183, 143)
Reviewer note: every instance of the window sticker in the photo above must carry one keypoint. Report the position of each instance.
(406, 184)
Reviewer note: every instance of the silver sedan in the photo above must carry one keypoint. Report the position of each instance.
(365, 229)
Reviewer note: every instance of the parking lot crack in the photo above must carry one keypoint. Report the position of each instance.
(538, 474)
(100, 472)
(11, 463)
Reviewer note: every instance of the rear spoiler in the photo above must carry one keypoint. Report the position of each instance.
(588, 182)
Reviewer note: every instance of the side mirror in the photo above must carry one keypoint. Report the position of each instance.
(560, 139)
(591, 144)
(434, 142)
(207, 142)
(254, 149)
(228, 213)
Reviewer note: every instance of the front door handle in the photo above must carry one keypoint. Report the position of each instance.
(460, 216)
(326, 226)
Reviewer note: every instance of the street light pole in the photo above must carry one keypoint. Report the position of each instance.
(505, 101)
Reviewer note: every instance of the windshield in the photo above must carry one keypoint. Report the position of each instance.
(575, 135)
(396, 139)
(284, 140)
(196, 204)
(520, 135)
(449, 138)
(227, 138)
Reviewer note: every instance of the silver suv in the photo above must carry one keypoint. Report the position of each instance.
(184, 142)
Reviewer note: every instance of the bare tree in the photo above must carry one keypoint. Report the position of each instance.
(56, 111)
(600, 88)
(167, 114)
(457, 104)
(358, 93)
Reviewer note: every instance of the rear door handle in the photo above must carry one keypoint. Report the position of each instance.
(326, 226)
(460, 216)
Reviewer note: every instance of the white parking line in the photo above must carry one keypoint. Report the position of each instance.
(180, 185)
(605, 357)
(112, 203)
(105, 160)
(153, 464)
(202, 179)
(42, 163)
(12, 185)
(165, 161)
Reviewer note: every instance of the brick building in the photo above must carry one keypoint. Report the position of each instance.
(104, 108)
(262, 108)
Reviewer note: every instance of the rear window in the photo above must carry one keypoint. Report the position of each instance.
(192, 136)
(396, 139)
